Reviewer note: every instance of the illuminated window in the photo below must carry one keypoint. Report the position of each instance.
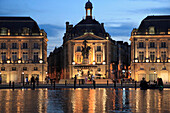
(98, 58)
(25, 31)
(78, 58)
(3, 45)
(78, 48)
(25, 45)
(3, 55)
(141, 56)
(98, 48)
(152, 56)
(163, 44)
(14, 56)
(4, 31)
(25, 56)
(151, 30)
(14, 45)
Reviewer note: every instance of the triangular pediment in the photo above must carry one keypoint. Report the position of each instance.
(89, 37)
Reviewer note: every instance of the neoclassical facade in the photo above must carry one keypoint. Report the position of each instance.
(150, 49)
(23, 49)
(88, 49)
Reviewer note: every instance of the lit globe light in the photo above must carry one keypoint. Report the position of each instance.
(19, 61)
(158, 60)
(94, 63)
(8, 61)
(136, 60)
(154, 71)
(22, 72)
(147, 60)
(41, 61)
(169, 60)
(73, 63)
(104, 63)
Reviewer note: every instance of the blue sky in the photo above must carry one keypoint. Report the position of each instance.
(119, 16)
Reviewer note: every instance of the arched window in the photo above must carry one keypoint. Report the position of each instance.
(4, 31)
(152, 30)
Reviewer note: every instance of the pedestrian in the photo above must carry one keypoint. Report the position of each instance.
(26, 80)
(37, 79)
(85, 80)
(32, 80)
(0, 79)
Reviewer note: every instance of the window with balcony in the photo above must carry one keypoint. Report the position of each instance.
(152, 56)
(2, 68)
(14, 56)
(25, 56)
(152, 44)
(3, 45)
(163, 44)
(14, 45)
(35, 56)
(98, 48)
(3, 55)
(24, 68)
(78, 48)
(35, 68)
(163, 56)
(25, 46)
(36, 46)
(99, 58)
(141, 56)
(13, 68)
(141, 44)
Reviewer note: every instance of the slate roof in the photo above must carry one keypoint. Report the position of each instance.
(161, 24)
(16, 24)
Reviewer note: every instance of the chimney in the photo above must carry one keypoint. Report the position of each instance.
(67, 27)
(102, 24)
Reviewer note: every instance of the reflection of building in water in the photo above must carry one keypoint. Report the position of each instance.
(88, 49)
(23, 49)
(150, 46)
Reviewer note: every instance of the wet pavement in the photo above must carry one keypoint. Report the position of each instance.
(100, 100)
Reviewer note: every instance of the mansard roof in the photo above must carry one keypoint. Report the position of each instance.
(16, 24)
(160, 24)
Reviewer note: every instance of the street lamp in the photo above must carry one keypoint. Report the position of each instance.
(8, 61)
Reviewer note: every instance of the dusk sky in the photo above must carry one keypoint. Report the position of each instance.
(119, 16)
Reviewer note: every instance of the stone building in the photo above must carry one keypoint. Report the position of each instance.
(88, 48)
(150, 49)
(23, 49)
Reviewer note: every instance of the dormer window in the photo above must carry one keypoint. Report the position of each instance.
(4, 31)
(78, 48)
(152, 30)
(25, 31)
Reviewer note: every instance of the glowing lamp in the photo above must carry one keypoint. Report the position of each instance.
(169, 60)
(104, 63)
(136, 60)
(154, 72)
(94, 63)
(107, 38)
(158, 60)
(147, 60)
(23, 73)
(19, 61)
(73, 63)
(41, 61)
(8, 61)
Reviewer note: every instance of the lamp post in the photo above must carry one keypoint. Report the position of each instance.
(23, 78)
(41, 62)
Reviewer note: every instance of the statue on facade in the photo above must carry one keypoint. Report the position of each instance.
(85, 50)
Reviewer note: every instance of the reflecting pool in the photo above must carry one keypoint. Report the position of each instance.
(84, 101)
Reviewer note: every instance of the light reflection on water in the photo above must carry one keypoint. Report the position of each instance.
(84, 100)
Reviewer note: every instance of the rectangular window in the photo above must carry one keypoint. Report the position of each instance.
(25, 46)
(3, 45)
(2, 68)
(13, 68)
(14, 45)
(98, 48)
(163, 44)
(78, 58)
(152, 56)
(98, 58)
(35, 56)
(163, 55)
(3, 55)
(25, 56)
(141, 45)
(24, 68)
(35, 68)
(36, 46)
(141, 56)
(152, 44)
(14, 56)
(78, 48)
